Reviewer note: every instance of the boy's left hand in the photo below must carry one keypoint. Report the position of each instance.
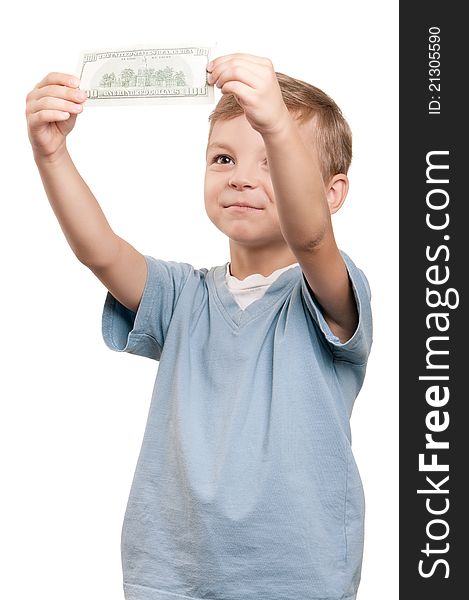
(253, 81)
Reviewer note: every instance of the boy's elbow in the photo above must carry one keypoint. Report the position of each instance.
(102, 255)
(310, 242)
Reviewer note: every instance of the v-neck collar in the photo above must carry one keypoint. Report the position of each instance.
(227, 304)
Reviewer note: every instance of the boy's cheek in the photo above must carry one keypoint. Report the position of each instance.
(212, 185)
(209, 194)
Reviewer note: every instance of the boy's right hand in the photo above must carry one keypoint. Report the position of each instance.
(51, 112)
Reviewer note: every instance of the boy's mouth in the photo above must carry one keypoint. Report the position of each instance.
(242, 207)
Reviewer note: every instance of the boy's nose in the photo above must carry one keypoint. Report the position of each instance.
(241, 179)
(240, 185)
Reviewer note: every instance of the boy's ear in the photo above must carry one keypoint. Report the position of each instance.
(336, 191)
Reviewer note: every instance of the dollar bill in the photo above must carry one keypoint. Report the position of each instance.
(146, 75)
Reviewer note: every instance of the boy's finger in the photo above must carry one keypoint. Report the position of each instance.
(237, 64)
(59, 91)
(250, 57)
(58, 78)
(242, 91)
(51, 103)
(236, 73)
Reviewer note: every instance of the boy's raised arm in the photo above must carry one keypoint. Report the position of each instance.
(83, 223)
(302, 206)
(51, 111)
(300, 194)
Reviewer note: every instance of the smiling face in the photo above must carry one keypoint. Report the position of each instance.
(237, 173)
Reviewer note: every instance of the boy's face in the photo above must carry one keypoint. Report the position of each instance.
(237, 172)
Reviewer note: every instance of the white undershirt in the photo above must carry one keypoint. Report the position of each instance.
(253, 287)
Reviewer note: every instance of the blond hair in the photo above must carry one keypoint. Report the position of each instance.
(333, 136)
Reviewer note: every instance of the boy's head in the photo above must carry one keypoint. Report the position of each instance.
(236, 160)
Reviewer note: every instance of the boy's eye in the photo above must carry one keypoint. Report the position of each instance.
(221, 159)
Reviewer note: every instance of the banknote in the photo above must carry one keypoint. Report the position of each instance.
(146, 74)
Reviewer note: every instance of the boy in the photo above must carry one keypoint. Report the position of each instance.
(246, 487)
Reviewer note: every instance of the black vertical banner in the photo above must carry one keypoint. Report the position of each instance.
(434, 322)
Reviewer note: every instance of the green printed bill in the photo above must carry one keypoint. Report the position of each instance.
(146, 75)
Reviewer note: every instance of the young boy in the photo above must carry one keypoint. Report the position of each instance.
(246, 487)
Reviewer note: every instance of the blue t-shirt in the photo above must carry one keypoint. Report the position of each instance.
(245, 487)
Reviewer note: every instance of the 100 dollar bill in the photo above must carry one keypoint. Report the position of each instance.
(146, 75)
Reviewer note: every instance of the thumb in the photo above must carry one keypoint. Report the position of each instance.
(66, 126)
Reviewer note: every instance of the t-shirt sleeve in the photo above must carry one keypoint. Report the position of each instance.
(144, 332)
(356, 349)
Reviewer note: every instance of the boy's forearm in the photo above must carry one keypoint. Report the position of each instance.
(78, 212)
(299, 191)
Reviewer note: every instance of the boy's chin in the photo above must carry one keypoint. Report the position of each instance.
(249, 240)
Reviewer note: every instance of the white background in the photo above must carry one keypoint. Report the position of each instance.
(72, 411)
